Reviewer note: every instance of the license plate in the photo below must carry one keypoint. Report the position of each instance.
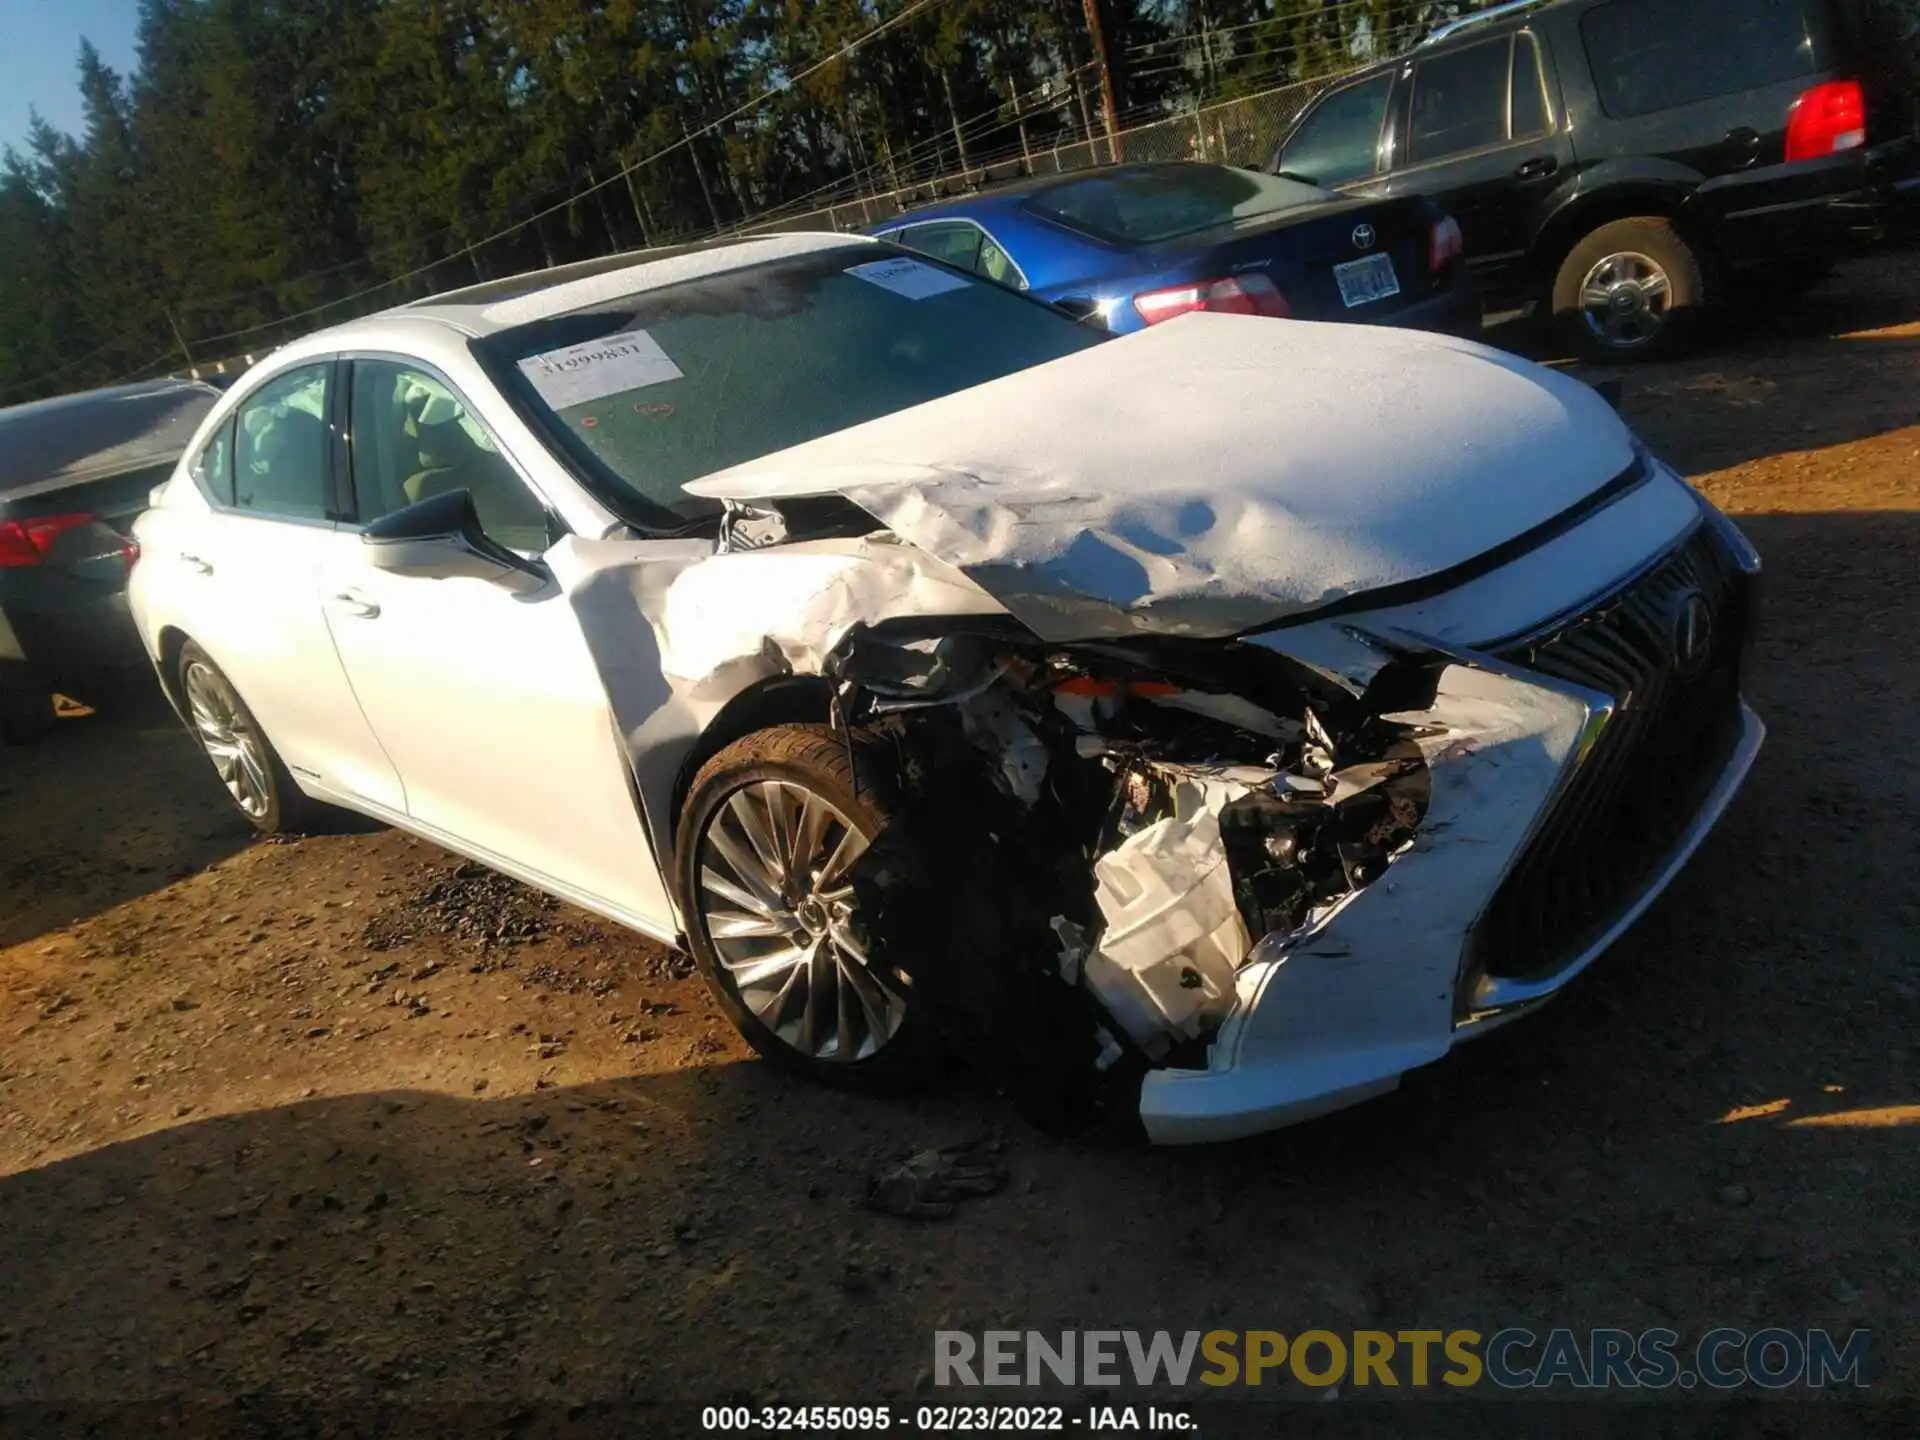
(1367, 279)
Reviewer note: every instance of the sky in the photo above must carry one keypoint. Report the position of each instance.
(40, 52)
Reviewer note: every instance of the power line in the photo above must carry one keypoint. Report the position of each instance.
(910, 158)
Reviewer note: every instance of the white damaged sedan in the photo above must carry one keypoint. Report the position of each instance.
(1221, 721)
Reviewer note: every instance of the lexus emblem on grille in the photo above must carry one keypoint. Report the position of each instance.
(1363, 237)
(1692, 632)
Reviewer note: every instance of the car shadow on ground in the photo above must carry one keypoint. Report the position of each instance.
(112, 804)
(1714, 1127)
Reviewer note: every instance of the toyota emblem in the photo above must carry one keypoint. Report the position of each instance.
(1692, 633)
(1363, 237)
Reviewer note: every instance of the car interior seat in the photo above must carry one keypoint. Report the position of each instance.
(288, 467)
(448, 458)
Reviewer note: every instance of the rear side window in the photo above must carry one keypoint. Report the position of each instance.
(1460, 100)
(1650, 55)
(953, 241)
(1340, 141)
(282, 450)
(213, 467)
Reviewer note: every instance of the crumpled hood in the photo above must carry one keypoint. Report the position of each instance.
(1216, 473)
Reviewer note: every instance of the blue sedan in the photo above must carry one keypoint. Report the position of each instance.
(1132, 245)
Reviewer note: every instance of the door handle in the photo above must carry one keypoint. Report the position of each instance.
(195, 564)
(1538, 168)
(351, 603)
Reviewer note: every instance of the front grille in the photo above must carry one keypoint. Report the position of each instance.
(1622, 812)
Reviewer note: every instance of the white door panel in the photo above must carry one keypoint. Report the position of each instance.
(250, 597)
(494, 714)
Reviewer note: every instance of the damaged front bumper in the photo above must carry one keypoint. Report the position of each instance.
(1338, 1017)
(1573, 773)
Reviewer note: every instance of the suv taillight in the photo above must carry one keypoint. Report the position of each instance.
(26, 542)
(1444, 246)
(1826, 120)
(1239, 295)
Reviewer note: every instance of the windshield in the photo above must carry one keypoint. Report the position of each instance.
(655, 389)
(1161, 202)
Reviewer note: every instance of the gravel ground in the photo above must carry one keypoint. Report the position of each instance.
(350, 1121)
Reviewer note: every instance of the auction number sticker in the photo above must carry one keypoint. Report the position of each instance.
(908, 278)
(578, 374)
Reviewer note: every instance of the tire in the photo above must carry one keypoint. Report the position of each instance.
(878, 1041)
(1658, 286)
(255, 778)
(26, 706)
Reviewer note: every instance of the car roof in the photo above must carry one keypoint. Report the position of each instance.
(95, 433)
(1009, 195)
(497, 305)
(436, 328)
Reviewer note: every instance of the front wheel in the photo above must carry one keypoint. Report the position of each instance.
(249, 767)
(1632, 290)
(774, 828)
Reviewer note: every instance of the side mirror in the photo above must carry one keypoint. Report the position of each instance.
(440, 539)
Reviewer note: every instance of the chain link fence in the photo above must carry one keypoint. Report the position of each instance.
(1242, 131)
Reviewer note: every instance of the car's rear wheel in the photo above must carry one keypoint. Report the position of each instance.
(773, 829)
(255, 778)
(1632, 290)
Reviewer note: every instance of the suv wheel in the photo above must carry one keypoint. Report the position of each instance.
(772, 829)
(1631, 290)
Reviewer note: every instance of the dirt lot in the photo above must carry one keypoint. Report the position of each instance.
(347, 1119)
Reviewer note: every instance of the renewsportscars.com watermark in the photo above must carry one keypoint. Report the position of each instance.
(1510, 1359)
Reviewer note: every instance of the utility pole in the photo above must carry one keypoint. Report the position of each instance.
(1109, 110)
(180, 339)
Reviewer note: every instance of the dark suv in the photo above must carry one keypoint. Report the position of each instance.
(1624, 163)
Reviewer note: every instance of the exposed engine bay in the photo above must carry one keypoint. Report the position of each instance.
(1090, 839)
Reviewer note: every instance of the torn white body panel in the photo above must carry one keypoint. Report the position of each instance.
(677, 631)
(783, 610)
(1216, 473)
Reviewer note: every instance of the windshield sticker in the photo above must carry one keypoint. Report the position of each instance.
(908, 278)
(579, 374)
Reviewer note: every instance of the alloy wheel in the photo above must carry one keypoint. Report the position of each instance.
(231, 740)
(1626, 300)
(777, 899)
